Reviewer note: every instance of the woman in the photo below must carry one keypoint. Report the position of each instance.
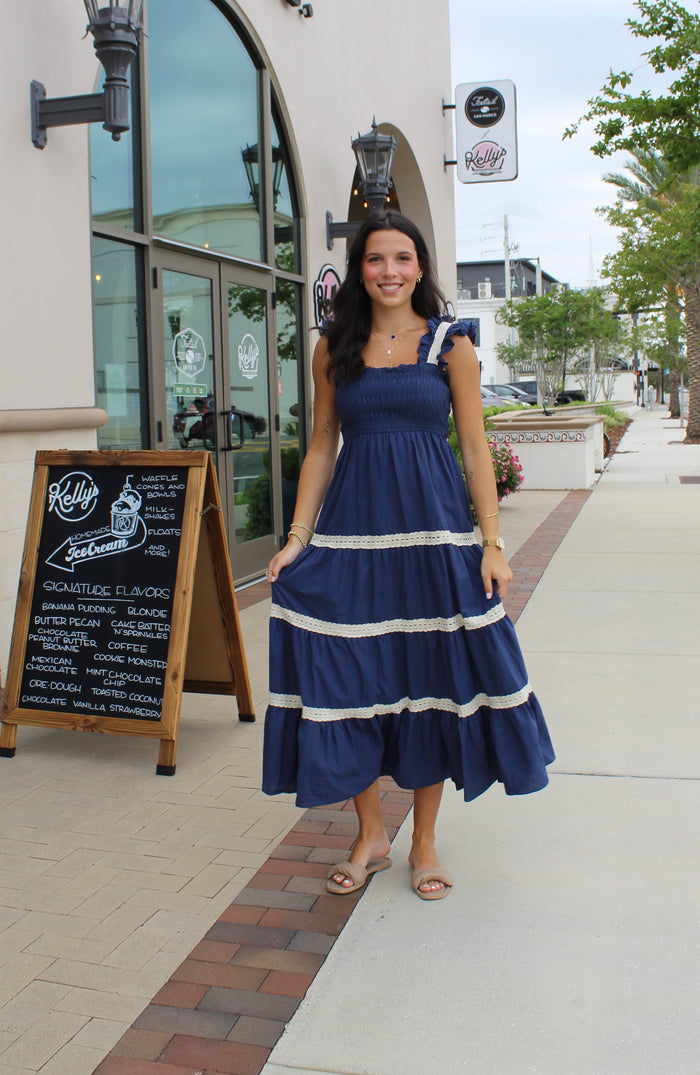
(390, 651)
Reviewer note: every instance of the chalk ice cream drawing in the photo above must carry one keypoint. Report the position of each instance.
(125, 510)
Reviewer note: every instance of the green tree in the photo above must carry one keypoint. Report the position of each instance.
(516, 356)
(662, 337)
(658, 248)
(641, 283)
(605, 341)
(562, 331)
(670, 122)
(668, 125)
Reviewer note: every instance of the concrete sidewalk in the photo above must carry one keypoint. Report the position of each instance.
(570, 941)
(110, 876)
(571, 911)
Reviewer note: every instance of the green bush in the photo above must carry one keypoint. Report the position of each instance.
(257, 498)
(612, 417)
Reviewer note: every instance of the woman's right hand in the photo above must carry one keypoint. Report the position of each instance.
(284, 558)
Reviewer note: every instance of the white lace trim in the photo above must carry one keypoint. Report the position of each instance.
(393, 541)
(387, 627)
(413, 705)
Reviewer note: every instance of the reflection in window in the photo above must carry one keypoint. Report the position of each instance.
(189, 360)
(112, 171)
(250, 405)
(204, 114)
(286, 211)
(122, 387)
(290, 392)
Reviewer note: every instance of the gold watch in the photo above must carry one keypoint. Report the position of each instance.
(498, 543)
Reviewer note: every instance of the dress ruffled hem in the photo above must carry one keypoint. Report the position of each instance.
(329, 762)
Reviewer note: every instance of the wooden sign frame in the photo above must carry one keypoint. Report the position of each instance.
(205, 649)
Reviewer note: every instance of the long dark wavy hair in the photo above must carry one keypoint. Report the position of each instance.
(351, 309)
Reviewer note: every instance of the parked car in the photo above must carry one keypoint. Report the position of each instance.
(490, 399)
(529, 388)
(197, 427)
(570, 395)
(511, 394)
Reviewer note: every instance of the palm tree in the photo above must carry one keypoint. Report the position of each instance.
(661, 244)
(650, 184)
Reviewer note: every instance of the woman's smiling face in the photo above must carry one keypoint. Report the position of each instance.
(390, 267)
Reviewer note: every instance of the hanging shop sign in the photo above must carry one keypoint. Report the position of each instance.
(487, 150)
(125, 599)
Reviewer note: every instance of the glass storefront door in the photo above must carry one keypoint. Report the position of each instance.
(188, 360)
(214, 372)
(251, 418)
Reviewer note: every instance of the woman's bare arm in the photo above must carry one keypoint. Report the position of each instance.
(319, 462)
(476, 456)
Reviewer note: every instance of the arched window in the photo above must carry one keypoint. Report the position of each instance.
(204, 91)
(196, 249)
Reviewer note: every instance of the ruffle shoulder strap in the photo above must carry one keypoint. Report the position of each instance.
(438, 339)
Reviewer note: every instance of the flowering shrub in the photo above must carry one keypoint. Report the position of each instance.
(507, 468)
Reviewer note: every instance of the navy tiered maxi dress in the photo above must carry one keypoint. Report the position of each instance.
(385, 655)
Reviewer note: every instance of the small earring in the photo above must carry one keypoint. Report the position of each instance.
(419, 277)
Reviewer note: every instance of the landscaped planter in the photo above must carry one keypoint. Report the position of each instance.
(555, 452)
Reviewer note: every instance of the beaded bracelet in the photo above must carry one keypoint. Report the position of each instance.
(292, 534)
(302, 527)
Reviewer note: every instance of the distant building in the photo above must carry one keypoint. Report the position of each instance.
(487, 279)
(481, 291)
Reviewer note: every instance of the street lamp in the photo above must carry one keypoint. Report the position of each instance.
(374, 153)
(115, 31)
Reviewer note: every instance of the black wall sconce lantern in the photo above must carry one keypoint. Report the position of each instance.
(115, 30)
(374, 153)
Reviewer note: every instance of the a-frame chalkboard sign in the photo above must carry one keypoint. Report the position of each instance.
(125, 598)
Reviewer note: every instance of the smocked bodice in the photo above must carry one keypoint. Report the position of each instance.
(395, 400)
(402, 399)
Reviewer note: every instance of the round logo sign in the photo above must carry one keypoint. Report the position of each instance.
(74, 496)
(189, 352)
(484, 107)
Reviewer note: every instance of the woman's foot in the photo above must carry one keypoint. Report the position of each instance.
(364, 851)
(430, 881)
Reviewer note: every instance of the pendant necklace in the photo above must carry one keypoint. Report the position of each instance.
(394, 338)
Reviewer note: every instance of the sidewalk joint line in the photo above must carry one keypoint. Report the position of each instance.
(622, 776)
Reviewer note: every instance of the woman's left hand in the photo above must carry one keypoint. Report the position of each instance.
(494, 568)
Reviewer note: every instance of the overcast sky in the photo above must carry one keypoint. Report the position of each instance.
(558, 55)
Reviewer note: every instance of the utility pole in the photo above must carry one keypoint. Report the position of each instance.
(506, 256)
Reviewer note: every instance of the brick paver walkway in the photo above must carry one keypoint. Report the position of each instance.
(226, 1005)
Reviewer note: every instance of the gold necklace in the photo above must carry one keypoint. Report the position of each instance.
(394, 337)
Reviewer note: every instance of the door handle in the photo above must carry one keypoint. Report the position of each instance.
(232, 416)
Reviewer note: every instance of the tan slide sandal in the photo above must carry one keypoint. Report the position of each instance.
(422, 877)
(358, 875)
